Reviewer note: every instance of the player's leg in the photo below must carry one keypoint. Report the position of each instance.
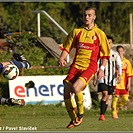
(123, 101)
(69, 104)
(107, 95)
(106, 105)
(102, 88)
(68, 91)
(20, 61)
(114, 106)
(12, 101)
(19, 57)
(78, 87)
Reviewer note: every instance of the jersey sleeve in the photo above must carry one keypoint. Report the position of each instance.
(118, 63)
(69, 42)
(129, 70)
(104, 46)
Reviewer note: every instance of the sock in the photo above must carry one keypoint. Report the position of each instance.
(122, 102)
(79, 101)
(114, 104)
(20, 65)
(71, 109)
(102, 107)
(106, 106)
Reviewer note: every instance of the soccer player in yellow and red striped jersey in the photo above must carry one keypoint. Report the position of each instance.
(122, 89)
(91, 44)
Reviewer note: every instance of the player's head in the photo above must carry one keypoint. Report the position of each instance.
(120, 50)
(110, 40)
(89, 15)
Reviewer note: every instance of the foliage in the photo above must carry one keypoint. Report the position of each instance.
(111, 17)
(26, 44)
(95, 104)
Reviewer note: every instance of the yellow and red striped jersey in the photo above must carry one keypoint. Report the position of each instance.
(127, 71)
(90, 44)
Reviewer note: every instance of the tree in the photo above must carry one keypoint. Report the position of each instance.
(112, 17)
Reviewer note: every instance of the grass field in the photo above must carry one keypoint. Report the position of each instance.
(54, 118)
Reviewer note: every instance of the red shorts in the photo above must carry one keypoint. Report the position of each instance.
(121, 92)
(84, 75)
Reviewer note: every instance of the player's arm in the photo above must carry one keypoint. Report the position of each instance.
(118, 78)
(129, 75)
(119, 67)
(104, 54)
(95, 79)
(62, 61)
(66, 48)
(101, 69)
(128, 87)
(119, 64)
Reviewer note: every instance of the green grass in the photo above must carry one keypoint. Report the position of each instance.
(54, 118)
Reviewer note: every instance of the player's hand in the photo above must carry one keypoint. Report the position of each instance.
(94, 82)
(100, 74)
(118, 79)
(61, 63)
(128, 87)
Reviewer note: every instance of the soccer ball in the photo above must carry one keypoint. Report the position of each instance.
(10, 71)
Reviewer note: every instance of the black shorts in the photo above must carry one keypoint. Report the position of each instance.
(104, 87)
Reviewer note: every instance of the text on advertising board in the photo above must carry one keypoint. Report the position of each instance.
(42, 90)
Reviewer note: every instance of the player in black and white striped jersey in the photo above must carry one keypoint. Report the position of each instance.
(106, 85)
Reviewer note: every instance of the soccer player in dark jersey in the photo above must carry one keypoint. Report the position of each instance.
(21, 62)
(91, 44)
(106, 85)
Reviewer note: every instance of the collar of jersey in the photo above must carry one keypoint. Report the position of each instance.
(95, 26)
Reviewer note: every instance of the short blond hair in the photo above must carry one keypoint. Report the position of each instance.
(90, 8)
